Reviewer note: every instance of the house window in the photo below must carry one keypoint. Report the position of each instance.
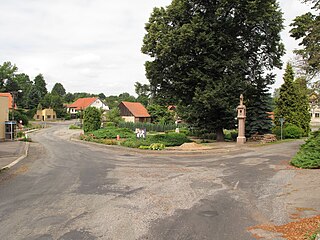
(317, 115)
(38, 117)
(48, 116)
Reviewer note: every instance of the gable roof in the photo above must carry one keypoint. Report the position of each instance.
(82, 103)
(9, 96)
(137, 109)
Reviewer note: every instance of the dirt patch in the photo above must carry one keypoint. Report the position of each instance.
(193, 146)
(301, 229)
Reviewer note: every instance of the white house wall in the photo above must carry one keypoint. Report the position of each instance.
(315, 118)
(99, 104)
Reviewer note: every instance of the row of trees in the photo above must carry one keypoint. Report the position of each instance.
(34, 94)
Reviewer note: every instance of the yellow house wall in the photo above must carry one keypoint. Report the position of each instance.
(128, 118)
(45, 113)
(4, 115)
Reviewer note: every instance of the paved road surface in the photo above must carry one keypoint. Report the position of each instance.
(69, 190)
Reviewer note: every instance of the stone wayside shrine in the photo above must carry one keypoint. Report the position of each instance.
(241, 139)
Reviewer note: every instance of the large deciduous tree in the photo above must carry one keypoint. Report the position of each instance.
(307, 29)
(143, 92)
(7, 73)
(206, 53)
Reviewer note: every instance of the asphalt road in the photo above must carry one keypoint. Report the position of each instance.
(69, 190)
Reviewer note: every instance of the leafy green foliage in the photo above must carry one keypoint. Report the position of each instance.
(19, 115)
(113, 115)
(160, 114)
(74, 127)
(143, 92)
(230, 135)
(59, 90)
(149, 126)
(289, 131)
(112, 132)
(205, 53)
(40, 85)
(292, 104)
(7, 71)
(55, 102)
(293, 131)
(309, 153)
(169, 139)
(307, 28)
(157, 146)
(91, 119)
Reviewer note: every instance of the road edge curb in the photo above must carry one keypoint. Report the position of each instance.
(19, 158)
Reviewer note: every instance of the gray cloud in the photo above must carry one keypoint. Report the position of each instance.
(88, 45)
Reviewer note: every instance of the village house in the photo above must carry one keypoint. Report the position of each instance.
(134, 112)
(315, 117)
(314, 112)
(10, 99)
(4, 115)
(82, 103)
(47, 114)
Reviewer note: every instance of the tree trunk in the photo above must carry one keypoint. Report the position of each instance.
(220, 135)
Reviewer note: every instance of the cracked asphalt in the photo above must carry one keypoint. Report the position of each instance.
(70, 190)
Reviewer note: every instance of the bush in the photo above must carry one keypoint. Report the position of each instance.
(230, 135)
(289, 131)
(134, 143)
(150, 126)
(293, 131)
(112, 132)
(158, 141)
(19, 115)
(157, 146)
(91, 119)
(109, 124)
(309, 153)
(74, 127)
(170, 139)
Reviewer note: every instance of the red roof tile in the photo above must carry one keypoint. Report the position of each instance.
(10, 99)
(137, 109)
(82, 103)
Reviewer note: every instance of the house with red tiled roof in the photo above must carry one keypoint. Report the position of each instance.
(82, 103)
(4, 115)
(9, 96)
(134, 112)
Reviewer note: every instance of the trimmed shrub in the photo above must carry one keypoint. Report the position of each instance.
(230, 135)
(91, 119)
(309, 153)
(170, 139)
(149, 126)
(293, 131)
(112, 132)
(289, 131)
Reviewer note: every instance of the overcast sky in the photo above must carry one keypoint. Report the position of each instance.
(89, 45)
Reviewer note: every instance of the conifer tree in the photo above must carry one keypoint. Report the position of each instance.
(292, 104)
(303, 113)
